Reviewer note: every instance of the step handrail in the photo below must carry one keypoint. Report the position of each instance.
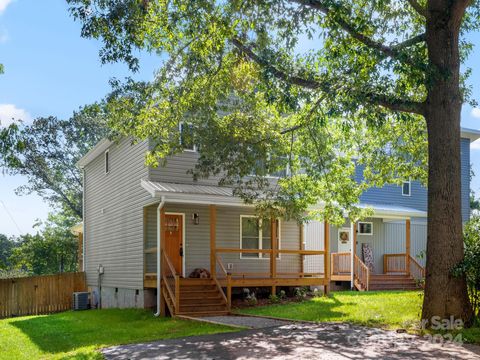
(226, 297)
(361, 273)
(417, 271)
(174, 294)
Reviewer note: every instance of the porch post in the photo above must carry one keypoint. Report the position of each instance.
(213, 235)
(407, 245)
(301, 247)
(326, 256)
(273, 253)
(163, 311)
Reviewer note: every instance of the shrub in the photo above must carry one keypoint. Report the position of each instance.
(301, 293)
(274, 298)
(317, 293)
(282, 295)
(470, 266)
(251, 299)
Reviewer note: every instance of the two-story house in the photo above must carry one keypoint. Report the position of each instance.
(145, 230)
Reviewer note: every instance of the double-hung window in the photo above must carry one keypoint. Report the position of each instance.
(407, 188)
(255, 233)
(107, 161)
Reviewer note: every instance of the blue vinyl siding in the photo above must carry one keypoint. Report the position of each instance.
(392, 194)
(465, 169)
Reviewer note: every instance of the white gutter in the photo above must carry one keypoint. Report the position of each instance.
(159, 208)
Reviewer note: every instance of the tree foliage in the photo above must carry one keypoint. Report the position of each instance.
(6, 247)
(46, 152)
(470, 266)
(258, 104)
(53, 249)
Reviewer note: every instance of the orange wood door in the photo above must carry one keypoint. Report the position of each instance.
(174, 240)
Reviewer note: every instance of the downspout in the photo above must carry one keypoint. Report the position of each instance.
(83, 221)
(159, 208)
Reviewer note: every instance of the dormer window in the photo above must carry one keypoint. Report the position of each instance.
(407, 188)
(107, 162)
(186, 137)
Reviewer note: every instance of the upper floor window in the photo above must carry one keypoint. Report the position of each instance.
(107, 162)
(186, 137)
(255, 233)
(407, 188)
(365, 228)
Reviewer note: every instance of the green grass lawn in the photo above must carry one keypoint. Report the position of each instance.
(77, 335)
(390, 309)
(385, 309)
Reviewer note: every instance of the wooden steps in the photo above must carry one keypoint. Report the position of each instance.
(198, 297)
(392, 282)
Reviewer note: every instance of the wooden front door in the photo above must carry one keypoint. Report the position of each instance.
(174, 240)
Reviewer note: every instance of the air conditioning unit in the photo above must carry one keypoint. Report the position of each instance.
(80, 300)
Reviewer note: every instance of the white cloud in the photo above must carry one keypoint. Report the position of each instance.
(476, 112)
(9, 112)
(4, 4)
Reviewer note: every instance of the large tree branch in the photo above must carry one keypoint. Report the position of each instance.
(390, 51)
(386, 101)
(289, 78)
(418, 8)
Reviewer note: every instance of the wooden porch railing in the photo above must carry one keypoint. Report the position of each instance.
(169, 274)
(417, 271)
(361, 274)
(275, 253)
(228, 296)
(395, 263)
(341, 263)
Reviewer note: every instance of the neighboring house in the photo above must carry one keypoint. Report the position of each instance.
(141, 221)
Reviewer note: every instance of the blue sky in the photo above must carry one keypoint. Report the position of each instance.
(50, 70)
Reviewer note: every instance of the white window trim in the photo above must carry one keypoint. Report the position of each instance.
(106, 155)
(195, 148)
(409, 188)
(260, 239)
(365, 222)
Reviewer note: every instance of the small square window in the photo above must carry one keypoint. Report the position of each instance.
(107, 162)
(365, 228)
(406, 188)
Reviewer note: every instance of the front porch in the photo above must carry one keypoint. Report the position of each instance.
(279, 262)
(400, 270)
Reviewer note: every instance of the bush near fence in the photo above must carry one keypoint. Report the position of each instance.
(39, 294)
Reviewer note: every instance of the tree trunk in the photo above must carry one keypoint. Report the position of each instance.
(445, 295)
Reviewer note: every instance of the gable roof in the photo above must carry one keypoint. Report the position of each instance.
(470, 134)
(98, 149)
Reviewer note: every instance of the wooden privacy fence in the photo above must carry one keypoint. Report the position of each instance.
(39, 294)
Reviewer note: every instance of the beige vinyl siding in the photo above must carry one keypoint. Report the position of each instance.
(114, 216)
(197, 239)
(177, 168)
(228, 235)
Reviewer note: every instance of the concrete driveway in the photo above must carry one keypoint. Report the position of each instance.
(297, 341)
